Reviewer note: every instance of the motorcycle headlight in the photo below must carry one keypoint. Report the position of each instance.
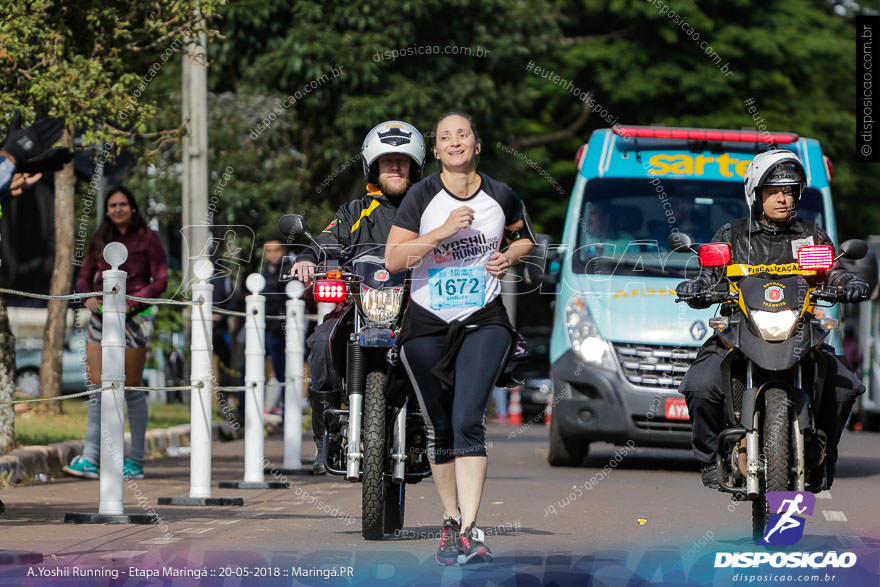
(381, 305)
(584, 336)
(774, 326)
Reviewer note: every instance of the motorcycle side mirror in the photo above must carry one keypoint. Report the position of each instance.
(680, 242)
(292, 225)
(854, 249)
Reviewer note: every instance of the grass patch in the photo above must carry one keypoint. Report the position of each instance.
(34, 429)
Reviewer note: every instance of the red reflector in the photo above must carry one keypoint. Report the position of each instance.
(815, 257)
(330, 290)
(714, 254)
(705, 134)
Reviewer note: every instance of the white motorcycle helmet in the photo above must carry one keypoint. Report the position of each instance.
(774, 167)
(393, 136)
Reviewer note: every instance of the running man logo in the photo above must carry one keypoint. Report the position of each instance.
(786, 524)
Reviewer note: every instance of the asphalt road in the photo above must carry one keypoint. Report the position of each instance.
(546, 525)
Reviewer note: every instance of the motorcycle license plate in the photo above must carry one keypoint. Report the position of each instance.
(676, 409)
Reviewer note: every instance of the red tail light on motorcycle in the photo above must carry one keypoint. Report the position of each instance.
(330, 290)
(714, 254)
(815, 257)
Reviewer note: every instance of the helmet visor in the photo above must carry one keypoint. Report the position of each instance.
(784, 174)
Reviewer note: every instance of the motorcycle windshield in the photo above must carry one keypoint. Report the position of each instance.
(770, 293)
(373, 274)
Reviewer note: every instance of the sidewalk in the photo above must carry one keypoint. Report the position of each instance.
(30, 461)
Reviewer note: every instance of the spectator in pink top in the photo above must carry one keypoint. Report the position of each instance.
(147, 268)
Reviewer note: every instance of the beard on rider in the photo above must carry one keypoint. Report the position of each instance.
(394, 175)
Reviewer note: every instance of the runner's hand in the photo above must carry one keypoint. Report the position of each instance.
(498, 265)
(92, 304)
(458, 219)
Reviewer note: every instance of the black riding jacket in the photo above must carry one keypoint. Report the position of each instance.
(755, 243)
(359, 227)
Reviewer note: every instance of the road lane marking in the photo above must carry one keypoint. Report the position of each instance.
(194, 530)
(834, 516)
(223, 522)
(162, 540)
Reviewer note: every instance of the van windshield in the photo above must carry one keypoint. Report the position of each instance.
(625, 222)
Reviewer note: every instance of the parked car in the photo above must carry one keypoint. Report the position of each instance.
(28, 357)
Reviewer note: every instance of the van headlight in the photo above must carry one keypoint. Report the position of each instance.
(381, 305)
(774, 326)
(586, 342)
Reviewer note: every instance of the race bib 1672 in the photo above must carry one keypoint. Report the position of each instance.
(457, 287)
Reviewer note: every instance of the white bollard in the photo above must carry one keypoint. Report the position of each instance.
(294, 349)
(112, 374)
(201, 402)
(254, 377)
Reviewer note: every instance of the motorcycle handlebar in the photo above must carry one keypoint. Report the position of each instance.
(714, 297)
(710, 296)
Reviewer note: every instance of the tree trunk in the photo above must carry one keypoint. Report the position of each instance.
(7, 381)
(62, 274)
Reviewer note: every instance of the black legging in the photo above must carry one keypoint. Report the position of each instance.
(457, 424)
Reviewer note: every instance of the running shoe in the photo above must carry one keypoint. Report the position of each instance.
(82, 467)
(472, 546)
(448, 552)
(132, 470)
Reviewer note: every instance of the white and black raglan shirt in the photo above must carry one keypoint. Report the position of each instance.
(451, 281)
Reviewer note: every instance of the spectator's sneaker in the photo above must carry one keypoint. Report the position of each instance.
(82, 467)
(132, 470)
(471, 546)
(448, 552)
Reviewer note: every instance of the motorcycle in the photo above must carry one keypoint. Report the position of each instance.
(369, 441)
(772, 319)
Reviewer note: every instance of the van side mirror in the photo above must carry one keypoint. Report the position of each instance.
(680, 242)
(854, 249)
(534, 263)
(552, 266)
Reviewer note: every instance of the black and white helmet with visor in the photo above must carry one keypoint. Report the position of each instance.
(393, 136)
(777, 167)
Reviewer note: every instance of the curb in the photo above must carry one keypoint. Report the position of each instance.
(30, 461)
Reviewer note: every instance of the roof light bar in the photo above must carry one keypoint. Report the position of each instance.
(705, 134)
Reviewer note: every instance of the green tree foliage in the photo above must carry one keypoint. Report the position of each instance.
(88, 62)
(642, 61)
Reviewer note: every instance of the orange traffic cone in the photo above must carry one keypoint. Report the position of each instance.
(548, 411)
(514, 410)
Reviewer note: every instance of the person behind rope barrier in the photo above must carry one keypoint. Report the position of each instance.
(147, 276)
(393, 155)
(456, 337)
(276, 300)
(771, 234)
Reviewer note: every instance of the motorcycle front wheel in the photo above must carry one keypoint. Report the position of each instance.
(775, 437)
(373, 464)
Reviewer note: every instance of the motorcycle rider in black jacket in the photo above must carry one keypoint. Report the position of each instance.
(393, 156)
(771, 234)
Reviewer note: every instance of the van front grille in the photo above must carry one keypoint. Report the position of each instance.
(655, 366)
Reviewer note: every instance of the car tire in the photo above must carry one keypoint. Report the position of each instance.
(565, 452)
(27, 382)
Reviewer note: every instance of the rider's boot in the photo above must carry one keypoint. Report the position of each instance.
(320, 401)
